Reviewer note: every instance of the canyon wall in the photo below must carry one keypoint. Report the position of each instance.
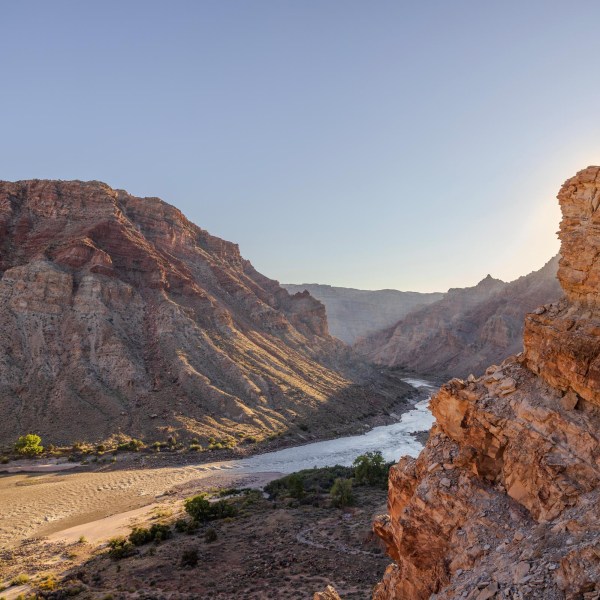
(466, 330)
(504, 501)
(353, 314)
(118, 315)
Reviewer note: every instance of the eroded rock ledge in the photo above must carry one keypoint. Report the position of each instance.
(504, 500)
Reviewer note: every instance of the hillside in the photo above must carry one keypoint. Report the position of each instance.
(467, 329)
(118, 315)
(353, 314)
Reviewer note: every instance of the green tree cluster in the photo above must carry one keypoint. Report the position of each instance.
(29, 445)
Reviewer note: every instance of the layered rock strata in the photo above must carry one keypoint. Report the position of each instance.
(504, 501)
(118, 315)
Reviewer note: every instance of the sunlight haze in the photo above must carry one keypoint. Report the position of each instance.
(368, 145)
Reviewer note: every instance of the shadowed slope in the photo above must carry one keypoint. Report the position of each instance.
(118, 314)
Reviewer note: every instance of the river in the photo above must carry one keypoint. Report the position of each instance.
(34, 505)
(393, 441)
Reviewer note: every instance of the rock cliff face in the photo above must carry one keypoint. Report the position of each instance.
(504, 501)
(467, 330)
(354, 314)
(117, 314)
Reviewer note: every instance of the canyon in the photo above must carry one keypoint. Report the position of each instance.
(120, 318)
(354, 314)
(466, 330)
(503, 502)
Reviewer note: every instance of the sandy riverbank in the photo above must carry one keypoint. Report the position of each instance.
(37, 505)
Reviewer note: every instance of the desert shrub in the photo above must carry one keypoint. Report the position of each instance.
(223, 509)
(157, 533)
(296, 486)
(120, 547)
(131, 446)
(140, 536)
(21, 579)
(29, 445)
(160, 532)
(189, 558)
(195, 448)
(314, 482)
(341, 493)
(186, 526)
(371, 469)
(48, 583)
(210, 536)
(200, 509)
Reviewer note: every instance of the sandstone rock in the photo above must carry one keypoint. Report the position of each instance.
(526, 460)
(521, 570)
(569, 400)
(488, 592)
(328, 594)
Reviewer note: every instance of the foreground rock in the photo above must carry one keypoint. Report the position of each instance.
(328, 594)
(504, 502)
(468, 329)
(118, 315)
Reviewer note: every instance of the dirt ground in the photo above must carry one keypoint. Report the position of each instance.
(267, 551)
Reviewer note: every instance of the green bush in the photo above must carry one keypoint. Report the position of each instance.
(198, 507)
(341, 493)
(157, 533)
(371, 469)
(186, 526)
(201, 510)
(119, 548)
(296, 486)
(29, 445)
(131, 446)
(314, 482)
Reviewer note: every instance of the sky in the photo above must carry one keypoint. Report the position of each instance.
(408, 145)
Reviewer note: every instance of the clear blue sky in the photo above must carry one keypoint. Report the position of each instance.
(410, 145)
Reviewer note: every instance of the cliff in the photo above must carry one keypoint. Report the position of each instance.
(467, 329)
(503, 502)
(118, 315)
(353, 314)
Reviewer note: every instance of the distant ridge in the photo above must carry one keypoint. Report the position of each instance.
(468, 329)
(354, 313)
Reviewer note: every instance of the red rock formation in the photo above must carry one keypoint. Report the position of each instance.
(504, 501)
(118, 314)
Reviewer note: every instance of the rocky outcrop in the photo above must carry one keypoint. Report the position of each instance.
(328, 594)
(467, 330)
(118, 315)
(353, 314)
(504, 501)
